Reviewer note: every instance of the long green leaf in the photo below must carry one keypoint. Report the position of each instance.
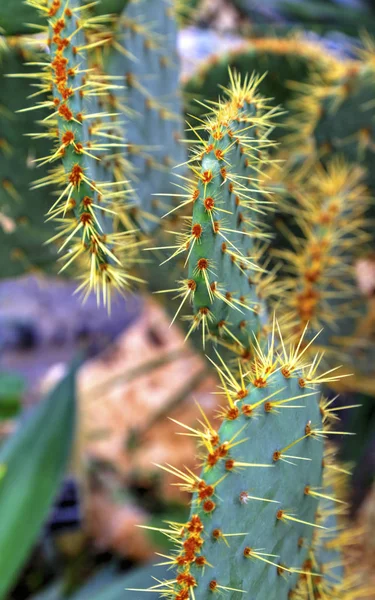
(107, 584)
(34, 458)
(11, 390)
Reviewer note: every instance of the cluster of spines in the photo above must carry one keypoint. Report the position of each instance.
(85, 208)
(217, 451)
(331, 207)
(222, 245)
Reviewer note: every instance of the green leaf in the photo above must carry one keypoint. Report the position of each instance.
(109, 585)
(35, 458)
(11, 390)
(140, 578)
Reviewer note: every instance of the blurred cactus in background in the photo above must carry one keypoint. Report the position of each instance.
(259, 228)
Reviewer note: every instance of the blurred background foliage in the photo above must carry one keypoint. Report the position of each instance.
(73, 491)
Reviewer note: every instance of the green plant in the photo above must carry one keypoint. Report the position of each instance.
(338, 116)
(268, 480)
(31, 479)
(222, 244)
(285, 60)
(250, 534)
(331, 204)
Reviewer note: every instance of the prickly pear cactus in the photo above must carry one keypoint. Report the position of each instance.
(85, 209)
(143, 54)
(222, 246)
(253, 512)
(285, 60)
(338, 117)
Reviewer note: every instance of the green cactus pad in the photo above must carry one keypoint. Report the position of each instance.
(144, 54)
(339, 116)
(261, 470)
(284, 60)
(222, 245)
(85, 208)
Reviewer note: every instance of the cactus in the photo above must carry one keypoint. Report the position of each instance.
(285, 60)
(320, 288)
(338, 116)
(222, 244)
(266, 512)
(85, 208)
(275, 534)
(120, 157)
(247, 530)
(144, 54)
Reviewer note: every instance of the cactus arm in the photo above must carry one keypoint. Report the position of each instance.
(144, 53)
(83, 209)
(222, 246)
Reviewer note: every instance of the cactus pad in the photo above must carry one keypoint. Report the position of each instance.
(285, 60)
(253, 512)
(144, 54)
(320, 289)
(338, 116)
(223, 243)
(85, 208)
